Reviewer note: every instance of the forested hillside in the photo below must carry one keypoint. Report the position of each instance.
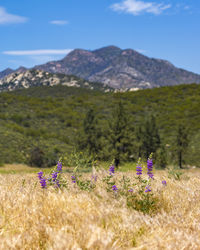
(52, 120)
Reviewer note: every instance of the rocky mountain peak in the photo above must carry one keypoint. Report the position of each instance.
(120, 69)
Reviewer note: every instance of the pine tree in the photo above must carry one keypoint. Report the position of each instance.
(148, 137)
(181, 143)
(161, 158)
(88, 138)
(120, 135)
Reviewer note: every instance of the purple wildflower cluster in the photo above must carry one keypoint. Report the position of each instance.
(112, 169)
(42, 180)
(139, 169)
(59, 166)
(114, 188)
(55, 174)
(150, 168)
(94, 178)
(73, 179)
(53, 178)
(164, 183)
(148, 189)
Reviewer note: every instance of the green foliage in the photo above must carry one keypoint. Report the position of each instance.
(161, 158)
(86, 185)
(79, 160)
(89, 139)
(174, 173)
(109, 182)
(148, 137)
(36, 158)
(181, 143)
(53, 116)
(120, 137)
(135, 192)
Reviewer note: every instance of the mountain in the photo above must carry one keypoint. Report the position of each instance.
(9, 71)
(6, 72)
(120, 68)
(29, 78)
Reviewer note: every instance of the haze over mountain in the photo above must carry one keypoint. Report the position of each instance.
(117, 68)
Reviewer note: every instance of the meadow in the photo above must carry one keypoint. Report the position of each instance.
(78, 216)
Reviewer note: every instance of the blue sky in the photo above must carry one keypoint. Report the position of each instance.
(36, 31)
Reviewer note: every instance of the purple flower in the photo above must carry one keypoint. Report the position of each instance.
(112, 169)
(148, 189)
(150, 168)
(94, 177)
(139, 170)
(40, 174)
(164, 183)
(114, 188)
(59, 166)
(57, 183)
(130, 190)
(43, 182)
(54, 176)
(73, 179)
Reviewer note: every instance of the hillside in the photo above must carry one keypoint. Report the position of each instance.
(52, 117)
(120, 68)
(30, 78)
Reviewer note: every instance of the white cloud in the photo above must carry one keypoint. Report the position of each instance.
(136, 7)
(6, 18)
(59, 22)
(142, 51)
(40, 59)
(37, 52)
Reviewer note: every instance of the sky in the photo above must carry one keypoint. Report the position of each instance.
(36, 31)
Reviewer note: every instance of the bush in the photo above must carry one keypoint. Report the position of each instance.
(37, 157)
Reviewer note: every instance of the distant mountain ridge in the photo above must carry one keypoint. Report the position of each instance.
(120, 69)
(9, 71)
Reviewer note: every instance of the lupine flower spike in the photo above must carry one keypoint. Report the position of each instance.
(139, 167)
(112, 169)
(59, 166)
(148, 189)
(150, 166)
(73, 179)
(42, 180)
(54, 176)
(114, 188)
(40, 174)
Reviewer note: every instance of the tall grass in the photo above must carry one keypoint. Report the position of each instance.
(35, 218)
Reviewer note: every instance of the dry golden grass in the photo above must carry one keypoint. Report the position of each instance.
(31, 218)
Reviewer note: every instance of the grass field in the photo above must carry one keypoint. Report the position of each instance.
(35, 218)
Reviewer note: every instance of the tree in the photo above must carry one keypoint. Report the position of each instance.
(148, 137)
(36, 157)
(161, 158)
(88, 139)
(120, 134)
(181, 143)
